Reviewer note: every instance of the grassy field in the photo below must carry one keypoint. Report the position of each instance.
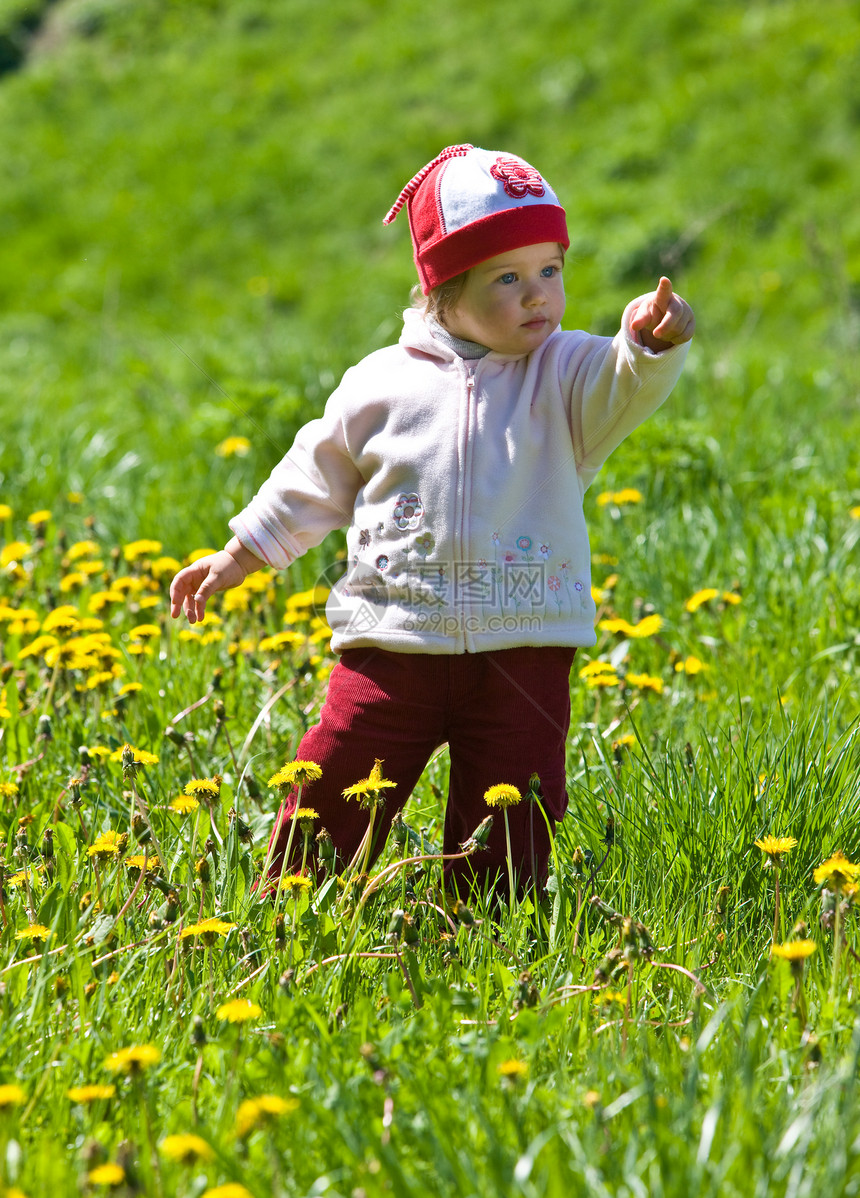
(190, 209)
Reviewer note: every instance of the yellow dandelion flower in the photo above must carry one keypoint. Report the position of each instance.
(208, 929)
(231, 1190)
(144, 632)
(280, 640)
(210, 787)
(854, 512)
(184, 804)
(233, 447)
(606, 681)
(108, 844)
(138, 861)
(6, 513)
(625, 495)
(86, 1094)
(647, 626)
(238, 1010)
(196, 554)
(71, 582)
(100, 599)
(645, 682)
(502, 795)
(34, 931)
(40, 517)
(131, 688)
(139, 756)
(700, 598)
(91, 568)
(774, 847)
(307, 599)
(39, 647)
(594, 668)
(133, 1060)
(82, 549)
(794, 950)
(513, 1070)
(109, 1174)
(135, 550)
(690, 665)
(187, 1149)
(836, 873)
(295, 884)
(295, 773)
(160, 566)
(12, 553)
(254, 1112)
(369, 790)
(11, 1095)
(8, 790)
(591, 1099)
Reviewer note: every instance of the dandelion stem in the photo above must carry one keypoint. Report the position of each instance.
(776, 906)
(510, 860)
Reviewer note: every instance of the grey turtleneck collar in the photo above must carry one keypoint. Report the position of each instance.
(463, 349)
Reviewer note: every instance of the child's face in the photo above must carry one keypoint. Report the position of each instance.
(511, 303)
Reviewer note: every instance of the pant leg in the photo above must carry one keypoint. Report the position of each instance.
(378, 704)
(509, 719)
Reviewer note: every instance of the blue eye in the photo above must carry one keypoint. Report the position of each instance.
(549, 271)
(508, 278)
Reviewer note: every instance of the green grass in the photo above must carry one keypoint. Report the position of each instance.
(190, 207)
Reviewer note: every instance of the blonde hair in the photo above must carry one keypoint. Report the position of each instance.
(439, 300)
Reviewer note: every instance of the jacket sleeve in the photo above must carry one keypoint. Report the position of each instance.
(615, 384)
(309, 493)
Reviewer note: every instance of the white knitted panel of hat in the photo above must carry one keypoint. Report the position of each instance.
(468, 192)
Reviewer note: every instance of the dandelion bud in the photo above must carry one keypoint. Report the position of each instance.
(399, 830)
(534, 785)
(201, 867)
(578, 860)
(285, 981)
(527, 993)
(462, 914)
(609, 835)
(84, 755)
(171, 907)
(45, 729)
(325, 845)
(219, 711)
(198, 1032)
(280, 932)
(173, 734)
(478, 839)
(217, 678)
(48, 845)
(138, 826)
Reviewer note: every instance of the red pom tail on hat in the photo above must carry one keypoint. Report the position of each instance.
(414, 183)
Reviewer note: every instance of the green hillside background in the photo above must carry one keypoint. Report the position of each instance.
(191, 198)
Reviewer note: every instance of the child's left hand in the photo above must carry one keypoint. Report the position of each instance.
(663, 319)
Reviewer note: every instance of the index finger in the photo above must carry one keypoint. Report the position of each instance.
(664, 291)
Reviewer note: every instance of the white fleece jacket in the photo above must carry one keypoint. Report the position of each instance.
(461, 483)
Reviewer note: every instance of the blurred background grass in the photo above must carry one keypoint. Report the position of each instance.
(191, 198)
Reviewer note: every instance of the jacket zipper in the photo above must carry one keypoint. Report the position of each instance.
(467, 463)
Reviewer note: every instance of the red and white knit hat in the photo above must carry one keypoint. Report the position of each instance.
(469, 204)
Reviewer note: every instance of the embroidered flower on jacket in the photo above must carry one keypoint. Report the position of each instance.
(524, 543)
(554, 582)
(364, 538)
(408, 511)
(382, 562)
(424, 544)
(545, 552)
(496, 539)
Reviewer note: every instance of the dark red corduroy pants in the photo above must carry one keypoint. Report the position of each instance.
(505, 715)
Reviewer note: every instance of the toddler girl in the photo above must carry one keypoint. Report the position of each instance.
(458, 459)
